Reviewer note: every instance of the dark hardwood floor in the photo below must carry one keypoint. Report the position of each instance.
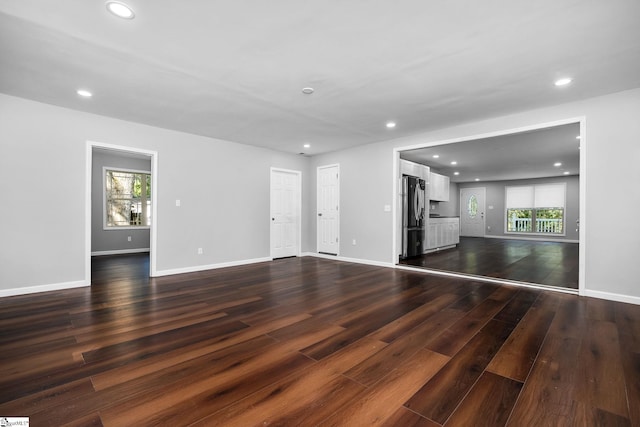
(547, 263)
(307, 341)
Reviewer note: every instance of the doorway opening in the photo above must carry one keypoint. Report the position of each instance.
(131, 227)
(479, 169)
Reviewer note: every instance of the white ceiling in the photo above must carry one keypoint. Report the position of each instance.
(235, 69)
(523, 155)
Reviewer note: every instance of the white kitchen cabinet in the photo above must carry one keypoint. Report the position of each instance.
(442, 232)
(439, 186)
(414, 169)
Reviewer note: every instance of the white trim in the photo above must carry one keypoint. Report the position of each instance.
(528, 237)
(197, 268)
(43, 288)
(612, 297)
(582, 235)
(153, 235)
(298, 207)
(120, 252)
(339, 242)
(582, 279)
(353, 260)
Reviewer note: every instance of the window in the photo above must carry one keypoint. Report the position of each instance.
(536, 209)
(472, 206)
(127, 196)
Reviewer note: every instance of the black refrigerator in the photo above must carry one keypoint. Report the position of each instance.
(413, 209)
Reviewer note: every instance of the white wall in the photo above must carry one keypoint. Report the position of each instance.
(611, 145)
(223, 187)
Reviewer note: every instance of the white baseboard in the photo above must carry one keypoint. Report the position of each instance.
(612, 296)
(120, 252)
(197, 268)
(42, 288)
(354, 260)
(535, 239)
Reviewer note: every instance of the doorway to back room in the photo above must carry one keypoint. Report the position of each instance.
(504, 206)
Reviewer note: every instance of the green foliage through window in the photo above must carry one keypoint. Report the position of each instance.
(127, 199)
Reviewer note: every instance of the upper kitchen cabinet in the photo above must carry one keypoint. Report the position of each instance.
(414, 169)
(439, 187)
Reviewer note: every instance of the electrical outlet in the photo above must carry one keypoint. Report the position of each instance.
(488, 227)
(128, 238)
(199, 251)
(353, 242)
(178, 202)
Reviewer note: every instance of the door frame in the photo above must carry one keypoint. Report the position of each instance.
(336, 165)
(484, 217)
(298, 207)
(153, 232)
(581, 120)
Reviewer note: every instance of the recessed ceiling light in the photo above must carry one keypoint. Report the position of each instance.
(84, 93)
(566, 172)
(307, 90)
(121, 10)
(578, 137)
(477, 179)
(456, 173)
(391, 125)
(307, 145)
(563, 82)
(557, 164)
(454, 163)
(436, 156)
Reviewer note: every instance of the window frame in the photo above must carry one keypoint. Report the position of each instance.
(534, 210)
(107, 227)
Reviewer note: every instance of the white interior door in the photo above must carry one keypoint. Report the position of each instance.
(285, 213)
(472, 210)
(328, 224)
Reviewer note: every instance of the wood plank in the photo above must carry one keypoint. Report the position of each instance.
(628, 323)
(219, 342)
(404, 324)
(517, 355)
(602, 376)
(294, 399)
(549, 394)
(358, 328)
(457, 335)
(406, 418)
(381, 401)
(489, 403)
(438, 398)
(398, 352)
(197, 397)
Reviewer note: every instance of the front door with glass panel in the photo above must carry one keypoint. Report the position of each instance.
(472, 209)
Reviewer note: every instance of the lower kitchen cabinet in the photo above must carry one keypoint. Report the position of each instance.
(442, 232)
